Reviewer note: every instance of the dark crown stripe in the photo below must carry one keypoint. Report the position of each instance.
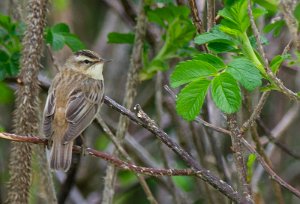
(87, 53)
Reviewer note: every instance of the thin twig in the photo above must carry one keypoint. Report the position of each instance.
(256, 112)
(121, 150)
(260, 150)
(196, 19)
(145, 121)
(274, 140)
(270, 171)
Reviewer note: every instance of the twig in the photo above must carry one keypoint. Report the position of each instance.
(236, 137)
(145, 121)
(210, 5)
(196, 19)
(121, 150)
(130, 93)
(270, 171)
(269, 72)
(159, 110)
(215, 128)
(260, 150)
(288, 7)
(274, 140)
(256, 112)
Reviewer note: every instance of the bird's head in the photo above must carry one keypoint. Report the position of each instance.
(87, 62)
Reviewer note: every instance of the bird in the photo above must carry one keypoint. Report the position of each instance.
(73, 101)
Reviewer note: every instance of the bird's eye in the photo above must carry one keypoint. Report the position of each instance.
(87, 61)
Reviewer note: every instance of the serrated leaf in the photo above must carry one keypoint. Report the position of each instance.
(244, 71)
(191, 70)
(73, 42)
(191, 98)
(226, 93)
(120, 38)
(215, 61)
(236, 16)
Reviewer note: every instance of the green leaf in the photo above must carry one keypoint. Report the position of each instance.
(59, 35)
(191, 70)
(276, 27)
(58, 41)
(73, 42)
(179, 33)
(271, 5)
(191, 98)
(258, 11)
(120, 38)
(244, 71)
(226, 93)
(214, 60)
(236, 16)
(60, 28)
(3, 56)
(297, 12)
(184, 182)
(166, 15)
(6, 94)
(277, 61)
(250, 166)
(214, 36)
(219, 47)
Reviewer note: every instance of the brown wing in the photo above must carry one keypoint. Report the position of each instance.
(48, 114)
(82, 107)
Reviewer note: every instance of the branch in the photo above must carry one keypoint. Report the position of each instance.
(107, 157)
(236, 137)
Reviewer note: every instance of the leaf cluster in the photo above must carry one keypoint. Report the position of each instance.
(10, 46)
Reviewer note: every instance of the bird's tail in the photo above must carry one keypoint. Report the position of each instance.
(60, 155)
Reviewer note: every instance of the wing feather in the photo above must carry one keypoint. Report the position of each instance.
(48, 115)
(82, 108)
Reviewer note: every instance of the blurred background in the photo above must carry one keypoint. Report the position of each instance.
(92, 21)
